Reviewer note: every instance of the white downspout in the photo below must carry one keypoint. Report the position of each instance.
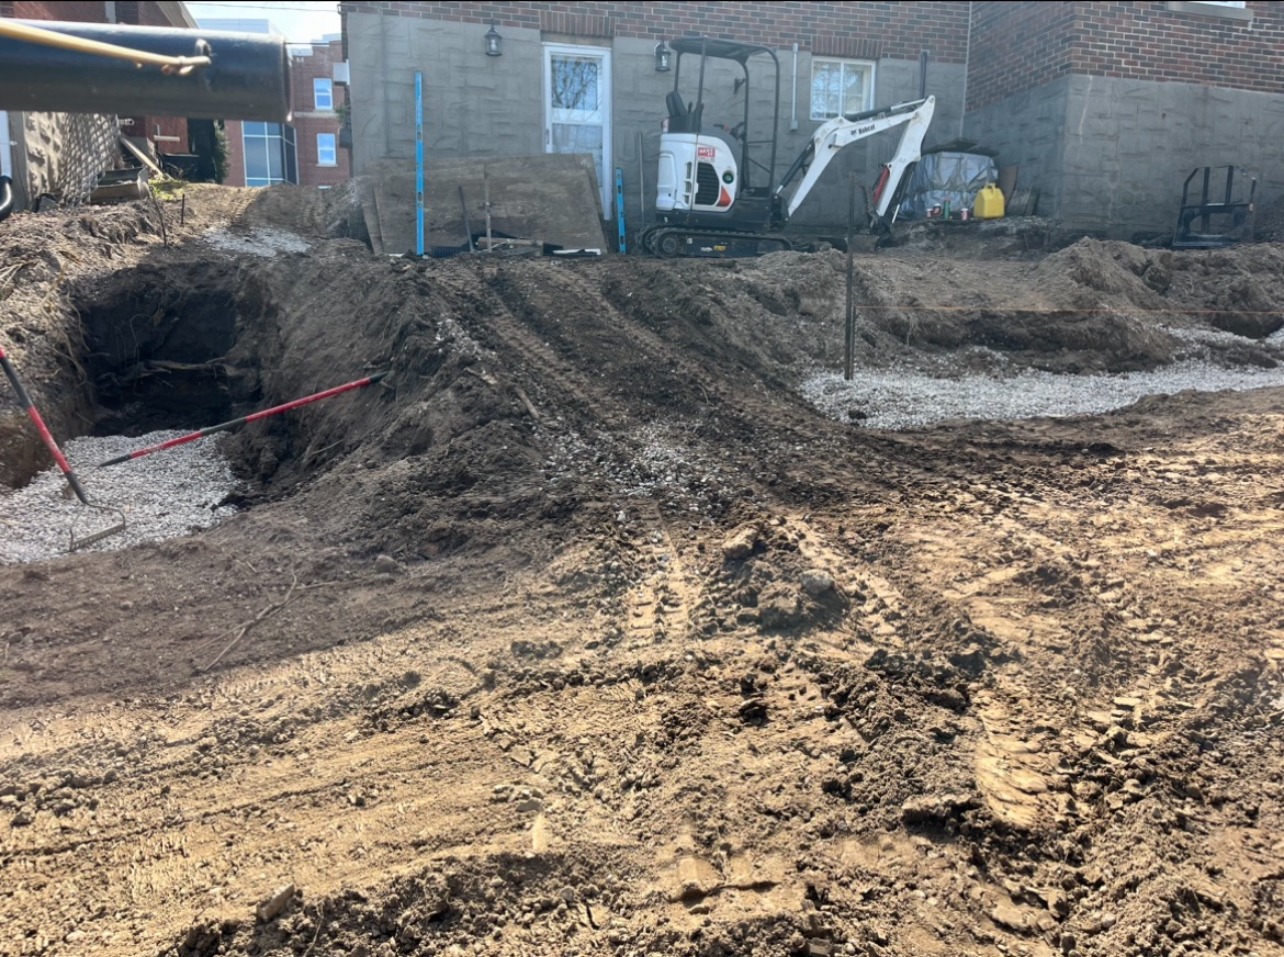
(967, 67)
(6, 148)
(793, 100)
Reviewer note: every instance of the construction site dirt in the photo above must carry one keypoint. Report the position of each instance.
(586, 632)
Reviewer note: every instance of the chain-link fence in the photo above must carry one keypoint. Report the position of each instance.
(66, 153)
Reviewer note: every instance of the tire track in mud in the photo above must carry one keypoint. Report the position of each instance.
(726, 414)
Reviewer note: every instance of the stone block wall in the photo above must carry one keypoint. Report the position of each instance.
(481, 106)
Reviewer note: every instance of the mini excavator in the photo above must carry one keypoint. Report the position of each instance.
(715, 194)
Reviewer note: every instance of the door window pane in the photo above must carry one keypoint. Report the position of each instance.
(575, 83)
(577, 108)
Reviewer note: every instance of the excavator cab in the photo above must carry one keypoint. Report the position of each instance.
(716, 174)
(716, 193)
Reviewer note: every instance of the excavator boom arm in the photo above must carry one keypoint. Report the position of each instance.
(842, 131)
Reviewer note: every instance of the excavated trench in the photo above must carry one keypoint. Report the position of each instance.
(155, 352)
(158, 352)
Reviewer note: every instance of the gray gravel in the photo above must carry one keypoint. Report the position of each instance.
(907, 398)
(261, 241)
(164, 495)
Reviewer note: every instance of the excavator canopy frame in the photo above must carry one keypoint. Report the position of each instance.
(688, 118)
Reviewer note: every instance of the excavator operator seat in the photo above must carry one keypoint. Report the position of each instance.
(683, 118)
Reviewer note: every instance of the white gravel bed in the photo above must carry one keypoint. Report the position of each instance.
(908, 398)
(260, 241)
(163, 495)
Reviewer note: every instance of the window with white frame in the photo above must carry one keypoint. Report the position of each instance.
(269, 154)
(327, 151)
(840, 87)
(323, 94)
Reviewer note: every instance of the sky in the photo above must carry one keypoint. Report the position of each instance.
(301, 21)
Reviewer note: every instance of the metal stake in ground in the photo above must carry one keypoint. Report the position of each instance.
(252, 417)
(849, 333)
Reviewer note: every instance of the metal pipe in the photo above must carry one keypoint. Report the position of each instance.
(641, 181)
(793, 101)
(849, 328)
(967, 68)
(419, 163)
(248, 79)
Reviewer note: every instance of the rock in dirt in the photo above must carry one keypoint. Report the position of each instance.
(1011, 917)
(696, 878)
(386, 564)
(275, 905)
(754, 711)
(780, 606)
(541, 834)
(927, 808)
(741, 544)
(816, 582)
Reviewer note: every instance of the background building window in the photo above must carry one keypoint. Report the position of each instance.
(323, 94)
(840, 86)
(269, 154)
(327, 154)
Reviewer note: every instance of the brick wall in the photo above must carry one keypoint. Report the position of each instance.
(1016, 47)
(136, 12)
(304, 69)
(308, 121)
(901, 29)
(85, 11)
(235, 153)
(143, 14)
(1147, 41)
(1019, 46)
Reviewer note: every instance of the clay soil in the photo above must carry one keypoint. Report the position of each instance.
(589, 636)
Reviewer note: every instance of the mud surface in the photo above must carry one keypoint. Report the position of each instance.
(590, 635)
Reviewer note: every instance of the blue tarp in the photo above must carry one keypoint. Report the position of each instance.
(955, 178)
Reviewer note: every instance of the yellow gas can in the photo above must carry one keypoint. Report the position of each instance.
(989, 203)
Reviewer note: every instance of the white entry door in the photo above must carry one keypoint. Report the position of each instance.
(577, 107)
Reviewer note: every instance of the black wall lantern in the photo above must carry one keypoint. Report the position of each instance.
(494, 42)
(662, 55)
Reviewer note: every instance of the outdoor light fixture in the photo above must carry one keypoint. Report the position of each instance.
(662, 54)
(493, 41)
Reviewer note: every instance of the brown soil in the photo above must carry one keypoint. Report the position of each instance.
(589, 636)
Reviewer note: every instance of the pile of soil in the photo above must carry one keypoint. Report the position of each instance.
(587, 634)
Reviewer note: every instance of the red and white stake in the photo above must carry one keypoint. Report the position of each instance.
(252, 417)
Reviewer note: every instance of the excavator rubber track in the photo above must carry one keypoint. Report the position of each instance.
(673, 242)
